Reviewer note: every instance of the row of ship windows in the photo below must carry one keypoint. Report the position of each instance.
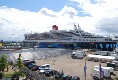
(92, 37)
(91, 40)
(85, 40)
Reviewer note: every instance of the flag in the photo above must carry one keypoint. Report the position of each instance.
(107, 45)
(111, 45)
(85, 68)
(114, 45)
(101, 72)
(100, 69)
(101, 46)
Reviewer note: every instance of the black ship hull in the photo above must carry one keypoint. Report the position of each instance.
(84, 45)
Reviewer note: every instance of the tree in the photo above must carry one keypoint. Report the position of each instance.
(3, 62)
(19, 62)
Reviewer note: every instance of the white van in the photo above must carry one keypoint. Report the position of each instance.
(96, 74)
(103, 68)
(77, 55)
(105, 72)
(82, 52)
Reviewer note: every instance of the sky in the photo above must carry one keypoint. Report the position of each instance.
(18, 17)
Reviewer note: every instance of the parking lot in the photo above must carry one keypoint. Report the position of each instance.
(73, 67)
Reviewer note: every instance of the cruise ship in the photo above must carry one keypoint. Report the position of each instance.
(69, 39)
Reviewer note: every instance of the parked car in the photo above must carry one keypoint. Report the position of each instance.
(42, 67)
(47, 70)
(31, 65)
(59, 76)
(75, 78)
(47, 65)
(28, 62)
(53, 72)
(48, 73)
(67, 77)
(25, 60)
(35, 68)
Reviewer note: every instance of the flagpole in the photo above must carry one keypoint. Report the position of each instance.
(100, 68)
(85, 69)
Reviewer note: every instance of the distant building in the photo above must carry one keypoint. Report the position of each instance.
(10, 45)
(0, 44)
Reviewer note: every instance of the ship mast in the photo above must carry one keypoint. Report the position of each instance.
(75, 27)
(79, 27)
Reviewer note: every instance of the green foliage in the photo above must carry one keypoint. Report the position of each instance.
(3, 61)
(18, 73)
(7, 75)
(19, 62)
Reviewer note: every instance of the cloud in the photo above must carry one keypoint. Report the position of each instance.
(13, 22)
(104, 13)
(68, 11)
(95, 16)
(47, 12)
(109, 25)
